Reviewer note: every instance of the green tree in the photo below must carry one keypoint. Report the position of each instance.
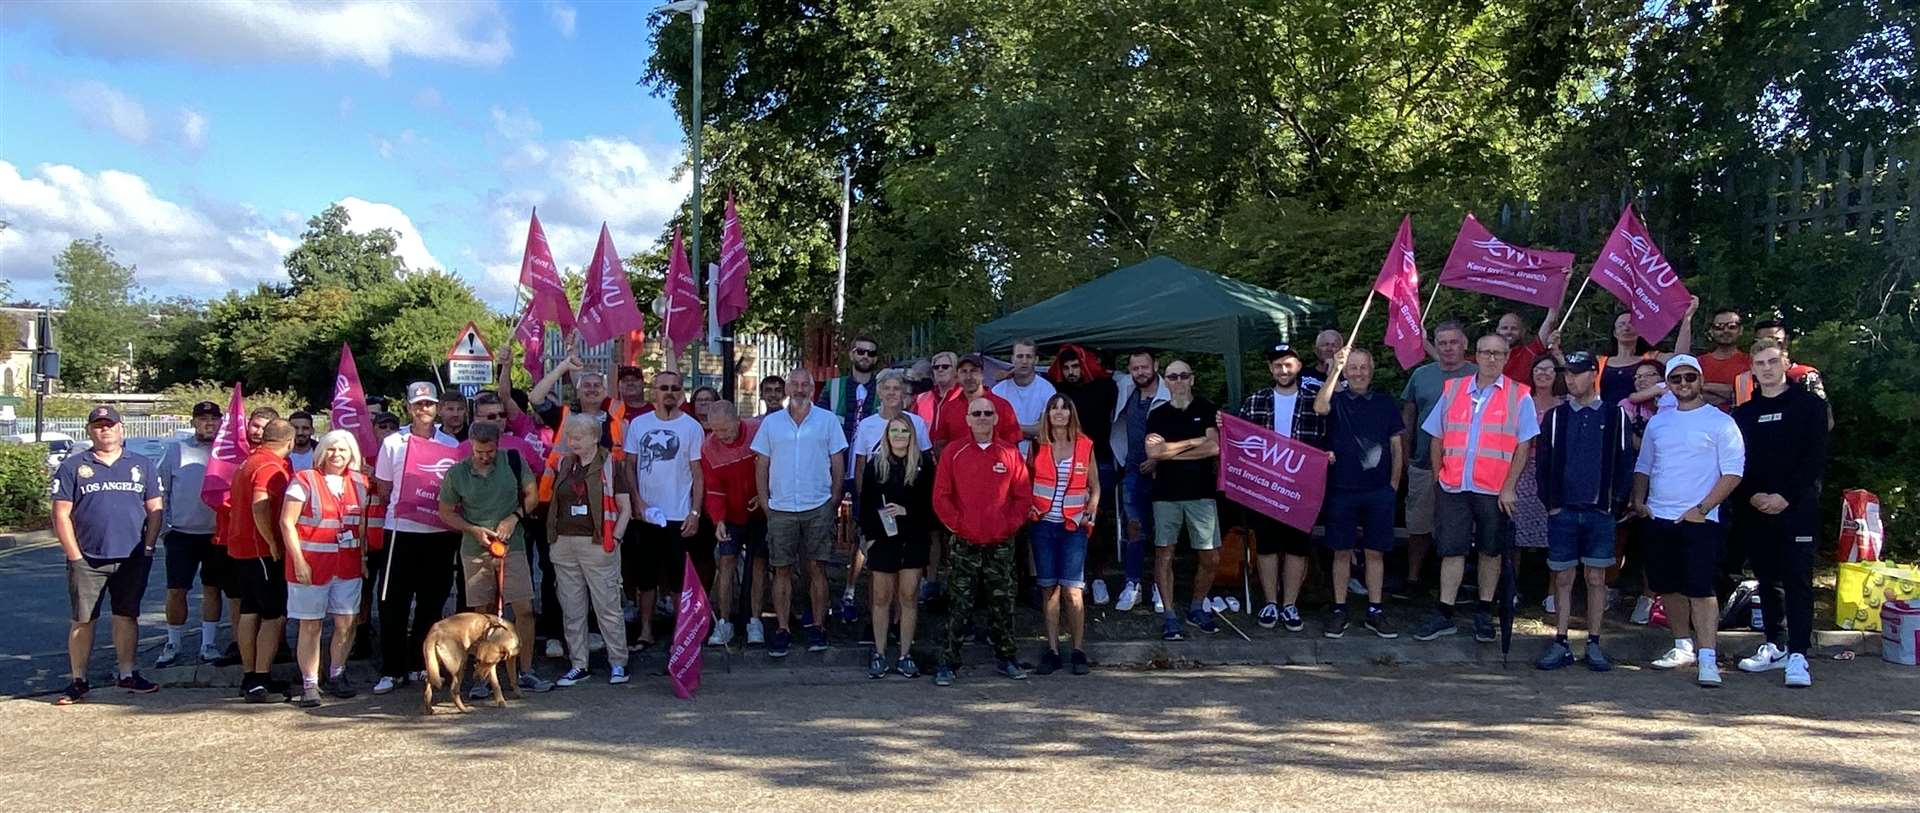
(100, 316)
(329, 254)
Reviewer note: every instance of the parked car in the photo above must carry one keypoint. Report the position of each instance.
(59, 444)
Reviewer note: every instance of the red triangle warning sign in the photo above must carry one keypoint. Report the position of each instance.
(469, 347)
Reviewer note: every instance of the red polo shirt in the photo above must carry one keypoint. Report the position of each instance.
(262, 471)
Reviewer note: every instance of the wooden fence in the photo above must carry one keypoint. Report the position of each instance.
(1872, 195)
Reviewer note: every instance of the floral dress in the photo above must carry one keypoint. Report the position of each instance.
(1530, 516)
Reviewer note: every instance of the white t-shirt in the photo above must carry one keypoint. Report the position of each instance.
(1283, 407)
(872, 432)
(335, 484)
(1028, 402)
(1683, 453)
(393, 460)
(663, 454)
(800, 475)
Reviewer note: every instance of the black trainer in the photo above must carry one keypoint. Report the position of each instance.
(1336, 623)
(1049, 663)
(1377, 621)
(1080, 664)
(74, 692)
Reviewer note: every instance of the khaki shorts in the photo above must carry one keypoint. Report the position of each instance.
(1201, 518)
(479, 577)
(1420, 500)
(796, 535)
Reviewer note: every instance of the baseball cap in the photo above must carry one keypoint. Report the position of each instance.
(1580, 361)
(1682, 360)
(205, 408)
(628, 371)
(421, 391)
(1281, 351)
(103, 413)
(970, 358)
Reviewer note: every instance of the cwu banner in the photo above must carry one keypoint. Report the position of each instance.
(229, 451)
(690, 625)
(1271, 473)
(1632, 268)
(1483, 263)
(426, 464)
(350, 410)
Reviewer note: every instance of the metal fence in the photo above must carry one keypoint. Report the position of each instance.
(135, 426)
(756, 356)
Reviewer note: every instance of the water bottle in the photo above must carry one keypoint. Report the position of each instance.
(889, 524)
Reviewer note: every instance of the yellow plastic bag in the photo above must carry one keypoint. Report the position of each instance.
(1864, 586)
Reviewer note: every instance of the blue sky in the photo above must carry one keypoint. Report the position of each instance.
(198, 137)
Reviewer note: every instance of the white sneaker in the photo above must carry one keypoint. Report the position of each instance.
(209, 653)
(168, 654)
(595, 643)
(722, 634)
(1676, 658)
(1159, 607)
(1642, 611)
(1767, 659)
(384, 686)
(1129, 596)
(1549, 606)
(1613, 597)
(1356, 586)
(416, 676)
(1709, 671)
(1217, 605)
(555, 649)
(756, 634)
(1100, 592)
(1797, 675)
(619, 675)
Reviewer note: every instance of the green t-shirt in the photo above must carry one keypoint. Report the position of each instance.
(1423, 389)
(484, 500)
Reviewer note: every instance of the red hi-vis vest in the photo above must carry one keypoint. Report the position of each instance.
(329, 527)
(1046, 478)
(1499, 434)
(609, 510)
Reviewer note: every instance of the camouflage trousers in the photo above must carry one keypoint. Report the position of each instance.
(980, 575)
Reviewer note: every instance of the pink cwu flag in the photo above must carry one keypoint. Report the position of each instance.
(1271, 473)
(1483, 263)
(607, 309)
(1632, 268)
(532, 334)
(229, 451)
(418, 491)
(683, 298)
(1399, 282)
(730, 286)
(546, 296)
(350, 410)
(690, 628)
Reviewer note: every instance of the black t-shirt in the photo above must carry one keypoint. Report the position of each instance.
(1094, 400)
(1183, 479)
(1363, 430)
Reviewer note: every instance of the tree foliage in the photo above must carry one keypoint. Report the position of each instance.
(330, 255)
(100, 316)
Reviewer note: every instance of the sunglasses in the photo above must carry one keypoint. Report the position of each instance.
(1178, 376)
(1726, 325)
(1683, 378)
(942, 366)
(861, 351)
(982, 413)
(670, 387)
(1491, 352)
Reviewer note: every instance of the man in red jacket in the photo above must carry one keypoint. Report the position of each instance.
(954, 421)
(981, 491)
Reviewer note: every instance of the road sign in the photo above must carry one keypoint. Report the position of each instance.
(469, 362)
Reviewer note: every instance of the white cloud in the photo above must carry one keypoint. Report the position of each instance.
(367, 216)
(563, 17)
(191, 249)
(106, 108)
(516, 126)
(193, 128)
(370, 32)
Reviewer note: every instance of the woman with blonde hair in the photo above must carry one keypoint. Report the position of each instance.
(593, 500)
(896, 517)
(323, 521)
(1066, 498)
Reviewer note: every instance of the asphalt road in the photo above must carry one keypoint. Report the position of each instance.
(1429, 738)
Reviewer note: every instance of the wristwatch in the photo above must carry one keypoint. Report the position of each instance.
(1703, 509)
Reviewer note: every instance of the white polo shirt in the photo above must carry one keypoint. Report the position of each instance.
(800, 475)
(389, 466)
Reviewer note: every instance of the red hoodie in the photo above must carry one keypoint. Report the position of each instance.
(982, 495)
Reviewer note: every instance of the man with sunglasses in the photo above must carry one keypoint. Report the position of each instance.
(1691, 459)
(1482, 429)
(1720, 368)
(854, 396)
(663, 446)
(981, 492)
(1183, 446)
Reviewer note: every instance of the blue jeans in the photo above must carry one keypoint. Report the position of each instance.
(1136, 507)
(1579, 536)
(1059, 555)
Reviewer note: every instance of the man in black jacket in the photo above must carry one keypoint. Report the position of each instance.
(1775, 508)
(1585, 469)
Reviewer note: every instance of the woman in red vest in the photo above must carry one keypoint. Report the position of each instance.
(1066, 498)
(323, 522)
(896, 518)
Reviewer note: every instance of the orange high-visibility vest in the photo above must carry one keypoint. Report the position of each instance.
(1742, 388)
(1499, 434)
(328, 527)
(1046, 477)
(559, 447)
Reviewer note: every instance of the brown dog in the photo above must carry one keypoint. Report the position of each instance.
(488, 638)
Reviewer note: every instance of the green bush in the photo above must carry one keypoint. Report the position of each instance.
(24, 479)
(180, 398)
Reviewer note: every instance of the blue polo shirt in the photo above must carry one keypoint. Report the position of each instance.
(1586, 441)
(1362, 431)
(109, 501)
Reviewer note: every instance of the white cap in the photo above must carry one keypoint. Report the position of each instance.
(1682, 360)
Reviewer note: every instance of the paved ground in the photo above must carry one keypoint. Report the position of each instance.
(1429, 738)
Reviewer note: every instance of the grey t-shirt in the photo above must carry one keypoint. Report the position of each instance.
(1423, 391)
(182, 468)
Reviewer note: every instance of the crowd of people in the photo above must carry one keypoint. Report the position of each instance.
(1634, 471)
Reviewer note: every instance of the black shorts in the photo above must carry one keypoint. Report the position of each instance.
(892, 554)
(1469, 522)
(190, 553)
(650, 555)
(263, 587)
(125, 580)
(1272, 537)
(230, 585)
(1684, 557)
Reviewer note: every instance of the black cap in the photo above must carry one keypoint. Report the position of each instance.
(103, 413)
(205, 408)
(1580, 361)
(1281, 351)
(971, 358)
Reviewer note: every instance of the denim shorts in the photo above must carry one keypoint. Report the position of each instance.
(1579, 536)
(1059, 555)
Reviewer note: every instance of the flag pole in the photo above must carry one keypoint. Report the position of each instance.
(1425, 311)
(1355, 334)
(1568, 313)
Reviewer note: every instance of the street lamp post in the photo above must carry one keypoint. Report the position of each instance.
(697, 10)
